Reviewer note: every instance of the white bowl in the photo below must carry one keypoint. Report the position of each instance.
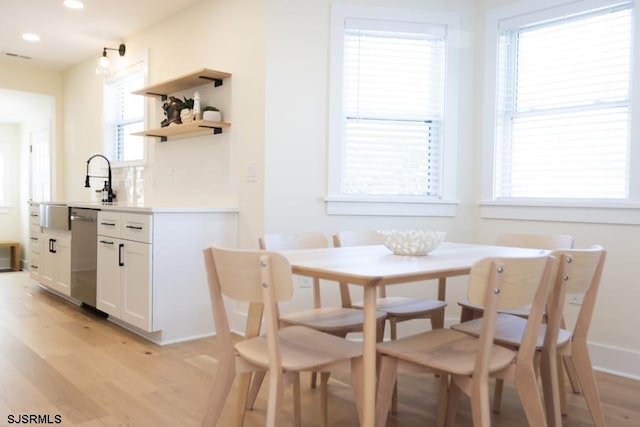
(412, 242)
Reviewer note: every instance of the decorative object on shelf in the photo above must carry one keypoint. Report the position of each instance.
(197, 112)
(211, 114)
(172, 108)
(412, 242)
(187, 115)
(103, 61)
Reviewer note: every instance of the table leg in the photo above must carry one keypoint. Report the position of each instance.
(442, 288)
(369, 358)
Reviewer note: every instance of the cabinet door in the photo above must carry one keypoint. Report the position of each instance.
(108, 292)
(136, 285)
(55, 262)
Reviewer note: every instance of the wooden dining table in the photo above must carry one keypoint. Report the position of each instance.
(372, 266)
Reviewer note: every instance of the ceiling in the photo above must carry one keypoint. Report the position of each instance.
(68, 37)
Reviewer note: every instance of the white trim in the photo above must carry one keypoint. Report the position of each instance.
(615, 360)
(392, 206)
(594, 213)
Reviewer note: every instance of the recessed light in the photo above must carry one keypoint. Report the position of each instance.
(30, 37)
(74, 4)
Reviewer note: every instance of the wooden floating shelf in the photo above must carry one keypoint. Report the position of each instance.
(187, 81)
(184, 129)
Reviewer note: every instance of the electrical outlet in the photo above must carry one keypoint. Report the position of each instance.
(305, 282)
(576, 299)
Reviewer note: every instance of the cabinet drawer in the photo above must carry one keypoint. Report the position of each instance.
(34, 215)
(138, 227)
(34, 242)
(34, 262)
(109, 223)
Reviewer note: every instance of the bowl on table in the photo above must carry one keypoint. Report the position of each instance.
(412, 242)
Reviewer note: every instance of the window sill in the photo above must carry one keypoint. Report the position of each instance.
(390, 206)
(584, 212)
(5, 209)
(128, 164)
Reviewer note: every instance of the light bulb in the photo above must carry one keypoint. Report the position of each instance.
(73, 4)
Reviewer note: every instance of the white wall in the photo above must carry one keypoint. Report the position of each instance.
(206, 170)
(614, 337)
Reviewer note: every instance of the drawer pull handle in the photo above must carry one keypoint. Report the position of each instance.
(108, 224)
(120, 262)
(135, 227)
(34, 266)
(106, 242)
(35, 239)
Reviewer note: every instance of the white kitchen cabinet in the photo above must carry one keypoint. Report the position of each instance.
(124, 286)
(55, 261)
(35, 234)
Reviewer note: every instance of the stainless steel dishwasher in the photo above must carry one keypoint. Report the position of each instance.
(84, 248)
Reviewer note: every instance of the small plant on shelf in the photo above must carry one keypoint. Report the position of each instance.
(211, 114)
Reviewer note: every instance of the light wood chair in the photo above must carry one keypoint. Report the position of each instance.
(520, 240)
(338, 321)
(579, 272)
(398, 308)
(468, 361)
(264, 278)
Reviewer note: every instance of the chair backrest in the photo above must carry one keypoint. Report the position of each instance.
(357, 238)
(507, 283)
(308, 240)
(582, 276)
(536, 241)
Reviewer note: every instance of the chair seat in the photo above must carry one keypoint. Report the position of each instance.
(509, 330)
(302, 349)
(445, 350)
(329, 319)
(404, 306)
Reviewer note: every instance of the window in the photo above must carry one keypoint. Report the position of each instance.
(389, 136)
(124, 114)
(563, 106)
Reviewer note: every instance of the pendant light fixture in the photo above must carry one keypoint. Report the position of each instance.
(103, 61)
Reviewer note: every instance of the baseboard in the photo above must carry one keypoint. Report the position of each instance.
(615, 360)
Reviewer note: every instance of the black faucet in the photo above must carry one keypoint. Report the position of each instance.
(110, 195)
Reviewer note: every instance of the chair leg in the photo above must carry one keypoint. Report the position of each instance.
(314, 379)
(274, 405)
(297, 412)
(356, 384)
(571, 373)
(562, 388)
(452, 403)
(527, 388)
(386, 382)
(437, 319)
(550, 385)
(218, 394)
(324, 399)
(584, 372)
(497, 394)
(443, 396)
(243, 391)
(480, 405)
(256, 382)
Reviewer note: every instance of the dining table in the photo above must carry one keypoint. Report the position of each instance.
(375, 265)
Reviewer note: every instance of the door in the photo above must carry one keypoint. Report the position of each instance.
(40, 165)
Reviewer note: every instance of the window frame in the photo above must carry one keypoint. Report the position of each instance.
(392, 205)
(549, 209)
(133, 61)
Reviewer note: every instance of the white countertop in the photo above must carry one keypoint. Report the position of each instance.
(148, 208)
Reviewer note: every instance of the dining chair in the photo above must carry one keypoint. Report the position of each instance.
(398, 308)
(520, 240)
(264, 278)
(338, 321)
(579, 272)
(466, 362)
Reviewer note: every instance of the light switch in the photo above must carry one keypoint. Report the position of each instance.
(252, 172)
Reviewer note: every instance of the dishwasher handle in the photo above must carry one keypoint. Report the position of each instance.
(82, 218)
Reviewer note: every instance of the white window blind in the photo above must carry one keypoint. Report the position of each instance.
(563, 107)
(124, 114)
(393, 108)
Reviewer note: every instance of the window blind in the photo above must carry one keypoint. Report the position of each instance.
(563, 107)
(124, 114)
(393, 108)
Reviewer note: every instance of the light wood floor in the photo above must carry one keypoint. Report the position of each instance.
(56, 359)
